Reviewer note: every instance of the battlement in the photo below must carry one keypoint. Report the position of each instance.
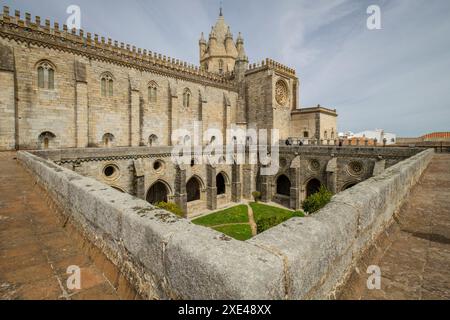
(271, 64)
(106, 47)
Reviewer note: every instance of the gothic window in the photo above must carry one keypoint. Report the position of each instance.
(108, 140)
(220, 66)
(46, 139)
(281, 92)
(186, 98)
(46, 75)
(107, 85)
(152, 92)
(153, 140)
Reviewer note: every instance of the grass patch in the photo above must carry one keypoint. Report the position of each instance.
(240, 232)
(237, 214)
(262, 211)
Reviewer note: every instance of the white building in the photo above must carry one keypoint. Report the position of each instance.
(378, 134)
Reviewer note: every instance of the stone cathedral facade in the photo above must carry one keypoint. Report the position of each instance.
(72, 89)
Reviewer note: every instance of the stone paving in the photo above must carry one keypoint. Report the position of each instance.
(35, 250)
(414, 253)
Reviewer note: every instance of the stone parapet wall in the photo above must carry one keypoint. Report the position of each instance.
(165, 257)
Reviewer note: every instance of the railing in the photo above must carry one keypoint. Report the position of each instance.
(333, 142)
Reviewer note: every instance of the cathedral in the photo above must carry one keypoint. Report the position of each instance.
(72, 89)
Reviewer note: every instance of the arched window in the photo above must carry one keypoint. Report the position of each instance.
(152, 92)
(46, 75)
(108, 140)
(325, 134)
(220, 184)
(46, 139)
(158, 192)
(187, 98)
(220, 66)
(193, 189)
(152, 140)
(107, 85)
(283, 185)
(312, 187)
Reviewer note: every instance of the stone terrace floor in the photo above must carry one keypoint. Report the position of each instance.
(414, 254)
(35, 250)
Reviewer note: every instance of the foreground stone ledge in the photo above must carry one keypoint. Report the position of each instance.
(322, 249)
(165, 257)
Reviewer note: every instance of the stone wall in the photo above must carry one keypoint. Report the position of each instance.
(166, 257)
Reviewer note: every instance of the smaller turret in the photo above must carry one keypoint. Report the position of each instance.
(241, 64)
(229, 44)
(202, 45)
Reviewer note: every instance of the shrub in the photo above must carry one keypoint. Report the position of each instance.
(317, 201)
(266, 223)
(256, 195)
(171, 207)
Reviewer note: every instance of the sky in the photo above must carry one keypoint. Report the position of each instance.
(396, 78)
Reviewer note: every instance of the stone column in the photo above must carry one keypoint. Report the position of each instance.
(266, 188)
(171, 112)
(211, 189)
(295, 198)
(135, 122)
(139, 179)
(7, 100)
(236, 193)
(247, 181)
(332, 175)
(180, 197)
(81, 106)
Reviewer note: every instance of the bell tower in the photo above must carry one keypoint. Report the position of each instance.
(220, 52)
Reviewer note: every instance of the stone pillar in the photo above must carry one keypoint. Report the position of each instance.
(180, 197)
(379, 167)
(295, 198)
(8, 102)
(247, 181)
(236, 193)
(139, 179)
(81, 106)
(211, 189)
(332, 175)
(266, 188)
(171, 123)
(135, 103)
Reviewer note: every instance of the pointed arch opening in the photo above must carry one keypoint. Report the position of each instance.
(312, 187)
(158, 192)
(221, 184)
(283, 185)
(193, 189)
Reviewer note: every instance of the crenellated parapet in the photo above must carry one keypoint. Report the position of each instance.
(270, 64)
(104, 49)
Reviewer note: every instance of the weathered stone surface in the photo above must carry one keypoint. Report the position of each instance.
(167, 257)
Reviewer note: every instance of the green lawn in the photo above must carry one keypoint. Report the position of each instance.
(240, 232)
(261, 211)
(237, 214)
(234, 221)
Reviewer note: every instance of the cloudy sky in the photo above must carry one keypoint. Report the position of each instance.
(396, 78)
